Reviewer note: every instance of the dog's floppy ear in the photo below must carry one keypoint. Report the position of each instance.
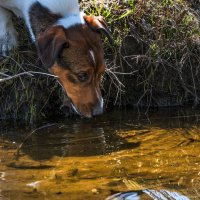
(98, 24)
(50, 43)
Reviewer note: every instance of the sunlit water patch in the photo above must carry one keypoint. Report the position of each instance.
(116, 156)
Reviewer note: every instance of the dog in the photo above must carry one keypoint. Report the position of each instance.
(68, 43)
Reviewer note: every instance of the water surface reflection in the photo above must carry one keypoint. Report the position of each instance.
(94, 159)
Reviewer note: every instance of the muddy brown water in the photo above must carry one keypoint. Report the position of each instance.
(120, 151)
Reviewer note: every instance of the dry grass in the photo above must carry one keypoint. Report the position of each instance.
(158, 48)
(29, 94)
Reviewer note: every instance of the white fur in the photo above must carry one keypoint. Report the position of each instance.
(102, 102)
(21, 9)
(8, 35)
(69, 9)
(62, 7)
(100, 99)
(70, 20)
(92, 56)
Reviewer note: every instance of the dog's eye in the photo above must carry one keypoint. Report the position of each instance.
(83, 76)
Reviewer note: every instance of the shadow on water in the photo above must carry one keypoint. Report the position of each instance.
(79, 138)
(119, 151)
(98, 136)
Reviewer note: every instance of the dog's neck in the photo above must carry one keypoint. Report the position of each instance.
(42, 14)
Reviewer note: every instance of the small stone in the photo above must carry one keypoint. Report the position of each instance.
(72, 172)
(95, 191)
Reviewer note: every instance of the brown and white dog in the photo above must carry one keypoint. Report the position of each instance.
(69, 46)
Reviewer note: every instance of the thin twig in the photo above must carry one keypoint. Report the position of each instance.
(29, 73)
(3, 74)
(15, 76)
(29, 135)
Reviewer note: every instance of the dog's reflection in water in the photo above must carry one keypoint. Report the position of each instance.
(77, 139)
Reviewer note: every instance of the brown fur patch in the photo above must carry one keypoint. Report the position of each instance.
(41, 18)
(81, 40)
(50, 43)
(75, 59)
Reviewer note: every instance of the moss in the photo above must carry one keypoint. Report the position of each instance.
(155, 62)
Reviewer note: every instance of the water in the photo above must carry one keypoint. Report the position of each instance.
(118, 152)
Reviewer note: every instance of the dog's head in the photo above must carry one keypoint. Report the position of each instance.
(75, 55)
